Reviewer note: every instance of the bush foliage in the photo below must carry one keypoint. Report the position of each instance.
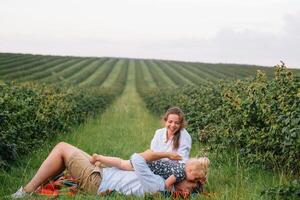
(31, 113)
(259, 116)
(286, 191)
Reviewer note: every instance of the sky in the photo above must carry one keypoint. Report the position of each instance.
(259, 32)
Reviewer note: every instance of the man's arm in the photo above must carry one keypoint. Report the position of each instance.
(149, 155)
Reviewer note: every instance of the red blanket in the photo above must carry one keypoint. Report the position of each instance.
(63, 184)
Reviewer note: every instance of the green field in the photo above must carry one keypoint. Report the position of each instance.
(94, 71)
(126, 125)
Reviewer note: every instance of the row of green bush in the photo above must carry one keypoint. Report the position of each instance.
(258, 116)
(30, 113)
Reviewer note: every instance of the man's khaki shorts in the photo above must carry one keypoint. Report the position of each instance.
(89, 176)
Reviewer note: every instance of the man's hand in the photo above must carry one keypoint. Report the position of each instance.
(93, 159)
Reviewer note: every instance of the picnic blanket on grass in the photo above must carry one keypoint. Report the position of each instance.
(63, 184)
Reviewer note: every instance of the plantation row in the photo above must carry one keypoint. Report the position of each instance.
(31, 113)
(90, 71)
(259, 117)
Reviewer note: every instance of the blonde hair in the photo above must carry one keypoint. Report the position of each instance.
(199, 165)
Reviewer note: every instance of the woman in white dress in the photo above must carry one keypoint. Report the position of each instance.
(173, 137)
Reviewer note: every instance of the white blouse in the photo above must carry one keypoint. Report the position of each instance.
(160, 143)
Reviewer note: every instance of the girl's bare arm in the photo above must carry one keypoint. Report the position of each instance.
(112, 162)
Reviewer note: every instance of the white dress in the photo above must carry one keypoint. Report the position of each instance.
(160, 143)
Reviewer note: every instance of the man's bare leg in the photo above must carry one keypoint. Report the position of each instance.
(53, 165)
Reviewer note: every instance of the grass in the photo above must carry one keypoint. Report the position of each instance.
(231, 179)
(127, 127)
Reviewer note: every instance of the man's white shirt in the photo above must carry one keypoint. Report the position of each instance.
(137, 182)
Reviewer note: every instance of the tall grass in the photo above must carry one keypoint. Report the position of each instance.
(230, 179)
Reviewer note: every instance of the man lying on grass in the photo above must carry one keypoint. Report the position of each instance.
(97, 180)
(195, 169)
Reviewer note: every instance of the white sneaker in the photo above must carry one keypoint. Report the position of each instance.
(19, 194)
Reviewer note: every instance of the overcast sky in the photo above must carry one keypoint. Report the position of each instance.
(261, 32)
